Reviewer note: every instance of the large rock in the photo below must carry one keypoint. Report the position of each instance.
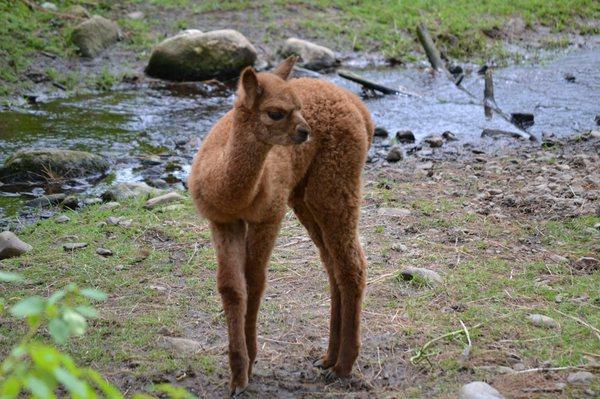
(122, 191)
(34, 164)
(478, 390)
(94, 35)
(162, 200)
(193, 55)
(11, 245)
(312, 56)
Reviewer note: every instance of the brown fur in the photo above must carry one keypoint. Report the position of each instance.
(251, 166)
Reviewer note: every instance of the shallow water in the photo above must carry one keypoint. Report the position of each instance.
(170, 121)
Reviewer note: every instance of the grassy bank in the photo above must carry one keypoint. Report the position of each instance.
(35, 44)
(498, 266)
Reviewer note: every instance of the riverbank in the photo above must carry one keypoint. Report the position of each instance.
(509, 234)
(38, 56)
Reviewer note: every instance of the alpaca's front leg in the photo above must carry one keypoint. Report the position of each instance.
(260, 240)
(230, 245)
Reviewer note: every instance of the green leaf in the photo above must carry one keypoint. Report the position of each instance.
(73, 384)
(109, 390)
(10, 388)
(57, 296)
(31, 306)
(59, 330)
(87, 311)
(8, 277)
(38, 388)
(94, 294)
(75, 322)
(45, 357)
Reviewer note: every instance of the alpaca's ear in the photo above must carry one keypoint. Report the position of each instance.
(285, 68)
(249, 89)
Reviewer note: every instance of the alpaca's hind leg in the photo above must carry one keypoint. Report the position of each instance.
(260, 240)
(314, 231)
(230, 245)
(341, 239)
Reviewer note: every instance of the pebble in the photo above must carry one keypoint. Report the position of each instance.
(110, 205)
(434, 141)
(162, 200)
(11, 246)
(448, 135)
(540, 320)
(394, 212)
(478, 390)
(398, 247)
(104, 252)
(580, 378)
(429, 276)
(62, 219)
(119, 221)
(405, 136)
(73, 246)
(49, 6)
(136, 15)
(395, 154)
(558, 259)
(380, 132)
(181, 345)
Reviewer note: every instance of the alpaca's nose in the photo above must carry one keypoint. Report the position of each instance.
(302, 133)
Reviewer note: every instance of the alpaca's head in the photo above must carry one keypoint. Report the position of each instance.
(278, 110)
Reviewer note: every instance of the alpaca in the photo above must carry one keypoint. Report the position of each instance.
(299, 142)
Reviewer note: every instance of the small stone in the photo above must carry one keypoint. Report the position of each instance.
(540, 320)
(312, 56)
(94, 35)
(405, 136)
(163, 199)
(47, 200)
(478, 390)
(597, 119)
(519, 367)
(49, 6)
(73, 246)
(79, 11)
(110, 206)
(104, 252)
(558, 298)
(70, 202)
(159, 183)
(586, 264)
(449, 136)
(558, 259)
(429, 276)
(569, 77)
(398, 247)
(494, 369)
(62, 219)
(580, 378)
(595, 134)
(380, 132)
(394, 212)
(523, 120)
(11, 246)
(92, 201)
(136, 15)
(181, 345)
(434, 141)
(123, 191)
(119, 221)
(480, 160)
(395, 154)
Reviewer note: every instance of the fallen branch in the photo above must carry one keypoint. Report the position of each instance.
(372, 85)
(490, 105)
(545, 369)
(433, 54)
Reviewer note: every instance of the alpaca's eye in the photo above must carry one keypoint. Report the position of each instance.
(276, 115)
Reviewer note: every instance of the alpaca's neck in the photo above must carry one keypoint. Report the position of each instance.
(244, 160)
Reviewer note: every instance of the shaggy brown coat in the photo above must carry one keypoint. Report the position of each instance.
(302, 143)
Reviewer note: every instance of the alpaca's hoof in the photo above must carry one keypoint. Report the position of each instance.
(333, 374)
(320, 364)
(236, 392)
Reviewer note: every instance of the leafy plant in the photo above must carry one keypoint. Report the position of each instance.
(40, 370)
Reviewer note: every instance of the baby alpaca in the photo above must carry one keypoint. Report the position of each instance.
(302, 143)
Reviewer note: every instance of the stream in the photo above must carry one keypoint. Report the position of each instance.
(152, 132)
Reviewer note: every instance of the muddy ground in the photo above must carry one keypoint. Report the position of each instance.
(505, 230)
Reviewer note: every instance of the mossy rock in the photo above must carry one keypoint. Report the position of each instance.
(193, 55)
(41, 164)
(94, 35)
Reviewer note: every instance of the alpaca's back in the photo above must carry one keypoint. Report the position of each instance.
(332, 110)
